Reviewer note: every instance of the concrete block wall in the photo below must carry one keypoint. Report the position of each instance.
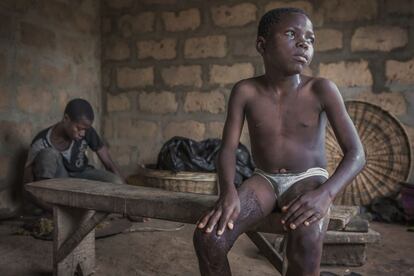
(158, 68)
(49, 53)
(168, 65)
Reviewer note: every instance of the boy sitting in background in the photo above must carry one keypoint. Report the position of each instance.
(59, 151)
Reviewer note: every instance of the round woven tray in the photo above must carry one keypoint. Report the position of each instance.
(189, 182)
(387, 151)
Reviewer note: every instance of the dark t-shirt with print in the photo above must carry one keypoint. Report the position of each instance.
(74, 158)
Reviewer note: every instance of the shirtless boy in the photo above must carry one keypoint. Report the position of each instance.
(286, 113)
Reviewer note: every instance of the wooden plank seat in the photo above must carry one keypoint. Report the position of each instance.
(79, 205)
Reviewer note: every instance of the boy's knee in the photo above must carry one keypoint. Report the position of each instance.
(115, 179)
(100, 175)
(305, 249)
(309, 239)
(210, 243)
(199, 239)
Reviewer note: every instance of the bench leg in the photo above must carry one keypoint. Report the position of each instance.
(267, 249)
(82, 258)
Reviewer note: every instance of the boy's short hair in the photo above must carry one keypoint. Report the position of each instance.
(272, 17)
(78, 109)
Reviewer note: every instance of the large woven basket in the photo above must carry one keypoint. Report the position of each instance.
(189, 182)
(387, 150)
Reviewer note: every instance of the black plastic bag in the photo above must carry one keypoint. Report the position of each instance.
(184, 154)
(386, 209)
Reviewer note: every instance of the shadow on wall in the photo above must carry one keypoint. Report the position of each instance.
(15, 149)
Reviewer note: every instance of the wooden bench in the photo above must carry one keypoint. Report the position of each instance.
(79, 205)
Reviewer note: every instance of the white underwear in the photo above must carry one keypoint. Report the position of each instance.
(283, 181)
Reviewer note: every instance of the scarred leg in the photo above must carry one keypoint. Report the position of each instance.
(304, 249)
(257, 200)
(304, 244)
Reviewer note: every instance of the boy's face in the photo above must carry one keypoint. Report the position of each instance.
(76, 130)
(289, 45)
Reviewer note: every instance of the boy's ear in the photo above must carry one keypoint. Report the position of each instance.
(66, 118)
(260, 44)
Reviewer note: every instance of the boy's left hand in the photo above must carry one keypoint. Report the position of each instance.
(307, 208)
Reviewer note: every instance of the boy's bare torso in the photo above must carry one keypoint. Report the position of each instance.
(287, 128)
(286, 113)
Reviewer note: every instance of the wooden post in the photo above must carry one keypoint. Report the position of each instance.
(274, 257)
(82, 258)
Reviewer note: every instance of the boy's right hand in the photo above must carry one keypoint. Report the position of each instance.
(225, 212)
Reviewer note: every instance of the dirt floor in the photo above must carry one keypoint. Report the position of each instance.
(171, 253)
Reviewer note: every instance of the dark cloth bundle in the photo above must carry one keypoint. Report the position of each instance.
(184, 154)
(386, 209)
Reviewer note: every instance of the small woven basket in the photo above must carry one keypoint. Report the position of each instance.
(188, 182)
(387, 152)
